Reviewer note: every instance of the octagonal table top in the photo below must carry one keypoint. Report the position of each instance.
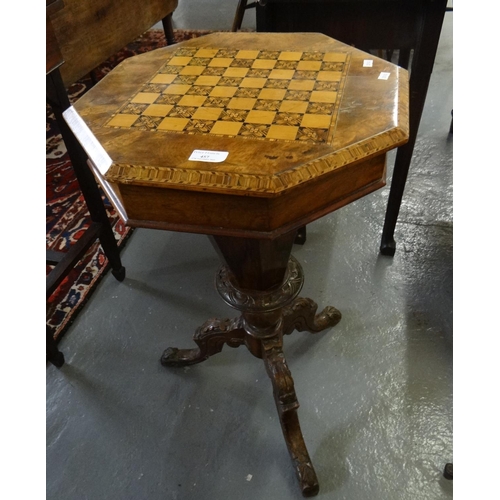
(248, 114)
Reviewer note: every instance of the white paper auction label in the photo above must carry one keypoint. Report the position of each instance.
(210, 156)
(384, 75)
(367, 63)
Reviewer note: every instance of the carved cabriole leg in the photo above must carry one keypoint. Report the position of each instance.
(301, 315)
(168, 28)
(287, 405)
(210, 338)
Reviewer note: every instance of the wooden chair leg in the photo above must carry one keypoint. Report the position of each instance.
(58, 99)
(168, 29)
(54, 355)
(448, 471)
(300, 239)
(404, 58)
(421, 70)
(240, 12)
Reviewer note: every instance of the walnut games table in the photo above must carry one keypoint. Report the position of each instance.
(246, 137)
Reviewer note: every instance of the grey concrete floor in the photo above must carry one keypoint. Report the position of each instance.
(375, 391)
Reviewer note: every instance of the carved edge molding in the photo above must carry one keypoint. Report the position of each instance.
(254, 302)
(121, 173)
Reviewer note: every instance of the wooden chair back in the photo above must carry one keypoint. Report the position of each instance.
(91, 31)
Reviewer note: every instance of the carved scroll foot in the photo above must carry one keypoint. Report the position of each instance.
(287, 404)
(210, 338)
(301, 315)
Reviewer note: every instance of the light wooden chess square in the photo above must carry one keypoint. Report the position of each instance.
(163, 78)
(173, 124)
(158, 110)
(237, 72)
(145, 97)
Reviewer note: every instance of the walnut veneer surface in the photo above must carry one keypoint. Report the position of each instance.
(305, 122)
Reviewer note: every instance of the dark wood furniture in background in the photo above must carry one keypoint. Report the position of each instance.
(91, 31)
(246, 138)
(411, 27)
(100, 227)
(80, 35)
(53, 60)
(243, 5)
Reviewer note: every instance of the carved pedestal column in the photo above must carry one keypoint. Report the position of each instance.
(267, 313)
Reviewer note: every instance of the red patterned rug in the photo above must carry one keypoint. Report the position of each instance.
(67, 215)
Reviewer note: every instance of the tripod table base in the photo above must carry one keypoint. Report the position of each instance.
(262, 332)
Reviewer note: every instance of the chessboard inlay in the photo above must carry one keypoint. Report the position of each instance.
(258, 94)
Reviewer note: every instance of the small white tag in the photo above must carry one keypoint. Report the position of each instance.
(367, 63)
(384, 76)
(209, 156)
